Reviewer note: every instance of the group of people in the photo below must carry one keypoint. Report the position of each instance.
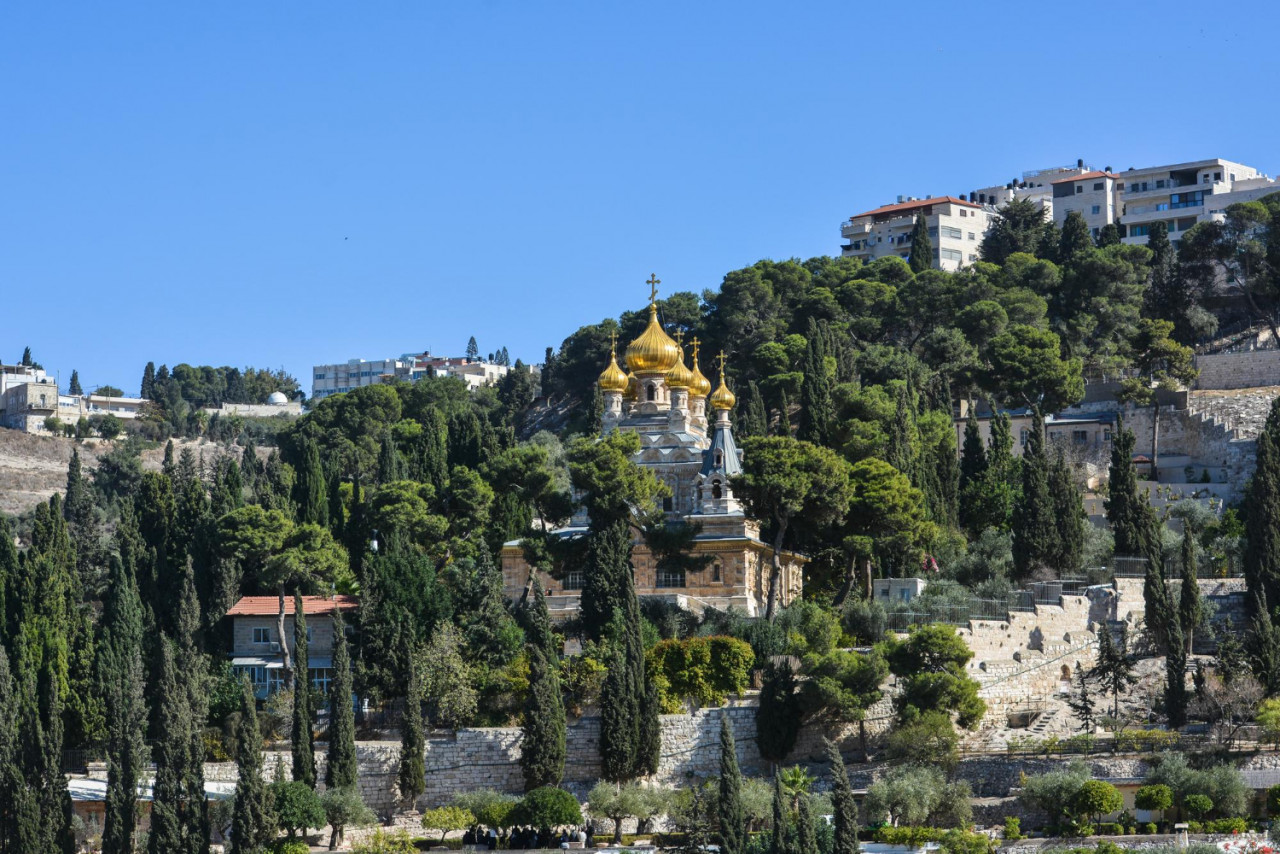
(525, 838)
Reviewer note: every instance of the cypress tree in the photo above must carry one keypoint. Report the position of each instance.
(1161, 614)
(252, 822)
(973, 470)
(816, 411)
(1109, 235)
(413, 741)
(77, 508)
(1034, 534)
(193, 675)
(1113, 668)
(806, 841)
(26, 357)
(754, 420)
(336, 513)
(173, 728)
(1262, 513)
(1132, 520)
(120, 677)
(617, 722)
(302, 743)
(1190, 606)
(778, 714)
(1175, 685)
(542, 747)
(250, 466)
(1001, 482)
(1075, 238)
(921, 257)
(733, 819)
(608, 561)
(1264, 645)
(844, 807)
(341, 769)
(390, 465)
(169, 465)
(784, 414)
(779, 842)
(901, 452)
(11, 784)
(74, 386)
(148, 390)
(1068, 514)
(310, 488)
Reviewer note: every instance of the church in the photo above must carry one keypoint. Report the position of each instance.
(687, 442)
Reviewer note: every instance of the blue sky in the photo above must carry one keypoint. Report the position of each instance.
(280, 184)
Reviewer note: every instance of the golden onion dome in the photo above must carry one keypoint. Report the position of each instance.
(700, 386)
(680, 376)
(722, 398)
(613, 378)
(654, 352)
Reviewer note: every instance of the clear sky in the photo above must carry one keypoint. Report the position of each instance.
(280, 184)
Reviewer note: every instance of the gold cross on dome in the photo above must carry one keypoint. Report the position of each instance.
(679, 336)
(695, 342)
(721, 360)
(613, 340)
(653, 283)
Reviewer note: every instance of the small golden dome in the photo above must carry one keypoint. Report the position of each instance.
(613, 378)
(680, 376)
(722, 398)
(700, 386)
(654, 352)
(633, 388)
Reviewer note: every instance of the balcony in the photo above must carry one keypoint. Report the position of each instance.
(849, 228)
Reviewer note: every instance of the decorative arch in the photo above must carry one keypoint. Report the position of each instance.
(651, 392)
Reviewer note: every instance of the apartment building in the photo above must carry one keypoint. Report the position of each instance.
(956, 227)
(28, 396)
(1091, 194)
(353, 374)
(1183, 194)
(1035, 185)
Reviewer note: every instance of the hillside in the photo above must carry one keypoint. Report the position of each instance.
(34, 467)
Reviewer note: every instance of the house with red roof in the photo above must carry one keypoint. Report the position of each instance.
(256, 645)
(956, 228)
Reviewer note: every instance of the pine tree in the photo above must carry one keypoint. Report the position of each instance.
(1113, 669)
(341, 769)
(921, 257)
(1190, 606)
(252, 822)
(733, 819)
(542, 747)
(1068, 514)
(1262, 513)
(413, 741)
(806, 840)
(816, 411)
(74, 387)
(844, 806)
(121, 677)
(309, 488)
(973, 471)
(148, 388)
(1109, 235)
(304, 755)
(473, 349)
(1081, 702)
(1035, 537)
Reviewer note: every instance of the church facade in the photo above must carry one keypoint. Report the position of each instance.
(686, 439)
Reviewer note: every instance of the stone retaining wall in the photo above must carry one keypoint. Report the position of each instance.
(1250, 369)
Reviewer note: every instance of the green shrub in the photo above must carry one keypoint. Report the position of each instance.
(705, 670)
(1145, 739)
(1197, 806)
(290, 846)
(1109, 828)
(1195, 827)
(1012, 828)
(1149, 827)
(1227, 825)
(383, 842)
(1105, 847)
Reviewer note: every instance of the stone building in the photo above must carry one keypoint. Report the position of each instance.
(691, 450)
(255, 639)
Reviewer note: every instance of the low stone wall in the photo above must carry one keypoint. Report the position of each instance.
(1249, 369)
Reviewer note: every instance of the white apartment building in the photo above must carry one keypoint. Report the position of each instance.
(1091, 194)
(956, 227)
(1183, 194)
(354, 373)
(1035, 185)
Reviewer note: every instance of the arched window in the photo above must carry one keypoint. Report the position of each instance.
(715, 571)
(715, 489)
(653, 391)
(719, 458)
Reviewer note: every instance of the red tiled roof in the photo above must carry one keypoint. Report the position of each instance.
(269, 606)
(1085, 176)
(918, 203)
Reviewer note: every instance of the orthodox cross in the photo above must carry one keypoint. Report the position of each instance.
(721, 360)
(653, 283)
(695, 342)
(613, 340)
(679, 336)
